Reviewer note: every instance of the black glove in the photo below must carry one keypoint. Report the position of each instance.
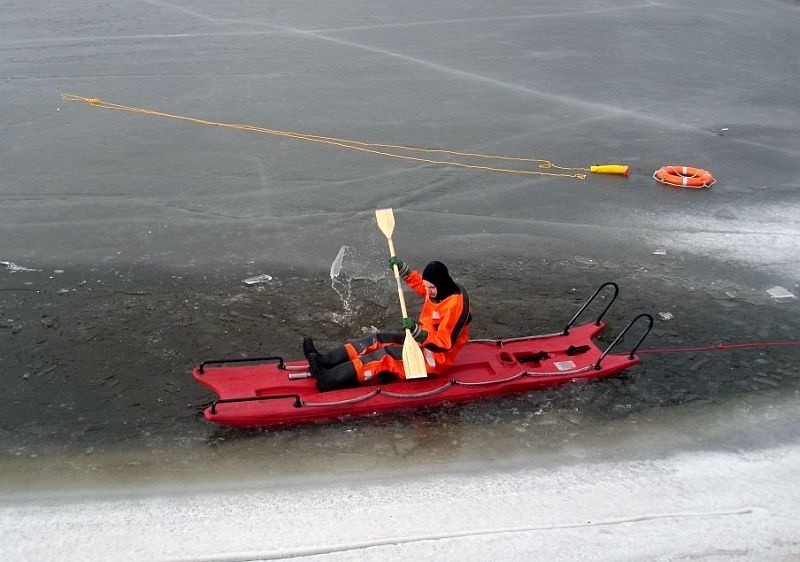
(402, 267)
(417, 333)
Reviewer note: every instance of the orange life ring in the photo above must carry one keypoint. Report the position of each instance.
(684, 176)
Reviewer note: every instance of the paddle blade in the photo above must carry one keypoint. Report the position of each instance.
(413, 358)
(385, 219)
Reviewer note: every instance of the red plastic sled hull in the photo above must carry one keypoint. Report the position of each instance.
(264, 396)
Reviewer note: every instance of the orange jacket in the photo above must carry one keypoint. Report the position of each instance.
(447, 323)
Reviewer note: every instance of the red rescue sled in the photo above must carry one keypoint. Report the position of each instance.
(270, 392)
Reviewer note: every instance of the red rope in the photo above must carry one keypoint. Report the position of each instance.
(718, 346)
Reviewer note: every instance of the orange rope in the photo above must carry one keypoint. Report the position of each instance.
(359, 146)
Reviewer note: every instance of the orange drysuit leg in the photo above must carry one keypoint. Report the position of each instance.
(386, 359)
(371, 343)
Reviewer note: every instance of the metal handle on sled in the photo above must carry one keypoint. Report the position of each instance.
(297, 402)
(281, 362)
(588, 302)
(622, 333)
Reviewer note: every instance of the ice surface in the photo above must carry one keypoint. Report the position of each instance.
(517, 80)
(684, 506)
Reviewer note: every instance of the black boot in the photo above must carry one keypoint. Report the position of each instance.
(340, 376)
(332, 358)
(308, 346)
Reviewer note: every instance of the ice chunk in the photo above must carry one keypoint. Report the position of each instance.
(264, 278)
(779, 293)
(11, 266)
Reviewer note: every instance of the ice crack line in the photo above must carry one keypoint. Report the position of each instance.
(515, 17)
(349, 547)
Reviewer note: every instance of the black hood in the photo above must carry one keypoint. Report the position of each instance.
(436, 273)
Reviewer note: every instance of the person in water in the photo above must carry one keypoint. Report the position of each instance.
(442, 329)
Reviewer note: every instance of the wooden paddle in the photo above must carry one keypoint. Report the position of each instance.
(413, 359)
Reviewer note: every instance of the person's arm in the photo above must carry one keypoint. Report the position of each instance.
(414, 280)
(412, 277)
